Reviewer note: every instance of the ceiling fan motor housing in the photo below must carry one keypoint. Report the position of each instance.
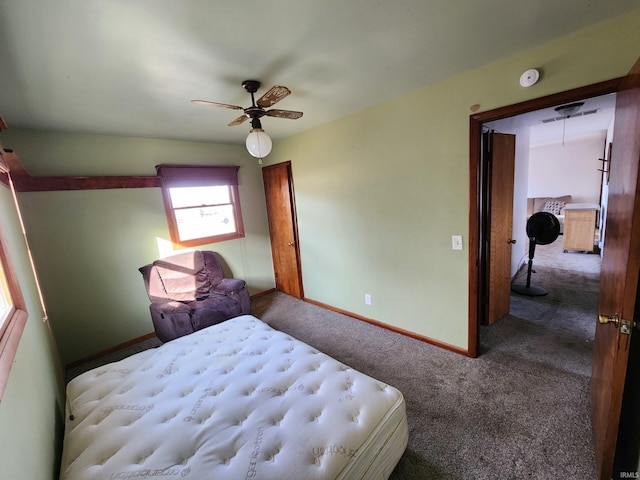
(251, 86)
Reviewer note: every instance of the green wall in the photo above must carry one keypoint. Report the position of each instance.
(380, 193)
(31, 410)
(88, 245)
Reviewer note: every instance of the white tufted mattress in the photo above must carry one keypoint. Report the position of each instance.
(238, 400)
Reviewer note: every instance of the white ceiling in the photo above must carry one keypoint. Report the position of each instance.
(131, 67)
(548, 126)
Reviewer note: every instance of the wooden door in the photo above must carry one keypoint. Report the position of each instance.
(283, 230)
(619, 276)
(501, 151)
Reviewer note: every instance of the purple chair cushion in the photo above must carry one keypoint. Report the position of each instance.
(184, 276)
(188, 292)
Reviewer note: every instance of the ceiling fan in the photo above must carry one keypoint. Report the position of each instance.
(257, 109)
(258, 143)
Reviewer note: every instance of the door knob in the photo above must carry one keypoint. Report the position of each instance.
(625, 325)
(615, 319)
(511, 241)
(290, 244)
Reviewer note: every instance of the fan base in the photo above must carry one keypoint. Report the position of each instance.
(251, 86)
(531, 291)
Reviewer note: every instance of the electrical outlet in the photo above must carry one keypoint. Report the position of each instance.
(456, 242)
(367, 299)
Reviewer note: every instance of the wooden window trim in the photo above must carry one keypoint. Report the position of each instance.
(192, 175)
(9, 345)
(12, 328)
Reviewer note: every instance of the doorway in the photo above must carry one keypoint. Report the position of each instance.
(478, 212)
(560, 166)
(620, 263)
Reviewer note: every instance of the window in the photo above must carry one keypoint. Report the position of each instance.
(6, 304)
(13, 316)
(13, 310)
(202, 203)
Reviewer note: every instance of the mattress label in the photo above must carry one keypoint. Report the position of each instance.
(149, 473)
(253, 459)
(334, 450)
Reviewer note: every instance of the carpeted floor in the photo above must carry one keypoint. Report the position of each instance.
(519, 410)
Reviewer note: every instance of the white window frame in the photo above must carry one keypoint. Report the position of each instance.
(186, 176)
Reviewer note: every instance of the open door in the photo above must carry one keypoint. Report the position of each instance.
(500, 154)
(619, 276)
(283, 230)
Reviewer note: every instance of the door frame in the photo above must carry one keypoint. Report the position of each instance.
(479, 185)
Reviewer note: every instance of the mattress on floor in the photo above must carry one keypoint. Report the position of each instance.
(238, 400)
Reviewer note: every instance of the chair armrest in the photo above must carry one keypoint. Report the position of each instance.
(229, 285)
(170, 307)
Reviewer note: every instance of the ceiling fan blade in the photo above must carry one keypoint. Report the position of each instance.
(238, 121)
(290, 114)
(273, 96)
(216, 104)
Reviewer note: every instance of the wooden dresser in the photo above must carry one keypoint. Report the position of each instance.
(580, 223)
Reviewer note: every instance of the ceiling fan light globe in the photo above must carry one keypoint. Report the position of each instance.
(258, 143)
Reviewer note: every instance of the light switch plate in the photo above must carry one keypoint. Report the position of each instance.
(456, 242)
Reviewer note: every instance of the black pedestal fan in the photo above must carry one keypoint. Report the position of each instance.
(542, 228)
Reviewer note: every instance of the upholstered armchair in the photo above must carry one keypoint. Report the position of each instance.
(188, 292)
